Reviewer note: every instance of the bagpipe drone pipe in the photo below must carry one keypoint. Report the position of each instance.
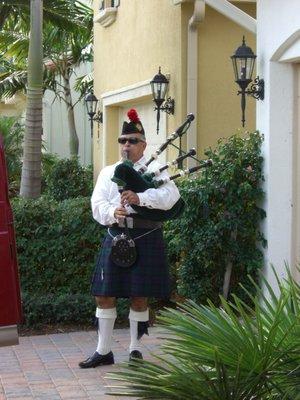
(127, 178)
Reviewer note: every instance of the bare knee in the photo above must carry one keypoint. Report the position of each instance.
(105, 302)
(139, 303)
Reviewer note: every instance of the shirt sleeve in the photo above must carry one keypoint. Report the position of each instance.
(103, 210)
(164, 197)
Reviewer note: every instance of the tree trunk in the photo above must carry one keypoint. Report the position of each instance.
(73, 137)
(31, 169)
(228, 271)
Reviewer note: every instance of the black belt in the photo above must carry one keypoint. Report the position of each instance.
(139, 223)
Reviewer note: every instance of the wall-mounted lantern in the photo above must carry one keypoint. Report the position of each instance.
(91, 103)
(159, 87)
(243, 61)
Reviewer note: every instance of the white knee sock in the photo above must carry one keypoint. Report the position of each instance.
(106, 320)
(135, 317)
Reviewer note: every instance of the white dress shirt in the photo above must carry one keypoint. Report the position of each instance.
(106, 198)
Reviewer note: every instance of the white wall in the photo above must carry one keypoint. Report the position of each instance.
(55, 125)
(278, 24)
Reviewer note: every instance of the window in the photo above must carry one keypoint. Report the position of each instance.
(107, 12)
(108, 4)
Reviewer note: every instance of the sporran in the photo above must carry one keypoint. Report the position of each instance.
(123, 251)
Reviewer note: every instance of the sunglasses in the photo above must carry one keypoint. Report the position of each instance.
(132, 140)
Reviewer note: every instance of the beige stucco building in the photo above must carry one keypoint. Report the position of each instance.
(192, 42)
(14, 106)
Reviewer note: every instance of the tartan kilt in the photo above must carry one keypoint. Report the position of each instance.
(148, 277)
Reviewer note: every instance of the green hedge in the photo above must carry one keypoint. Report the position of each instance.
(57, 244)
(67, 178)
(51, 308)
(220, 224)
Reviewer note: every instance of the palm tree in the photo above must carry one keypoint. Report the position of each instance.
(31, 169)
(66, 14)
(60, 59)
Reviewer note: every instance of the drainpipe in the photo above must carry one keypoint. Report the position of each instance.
(192, 73)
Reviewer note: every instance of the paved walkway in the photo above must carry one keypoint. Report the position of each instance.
(46, 367)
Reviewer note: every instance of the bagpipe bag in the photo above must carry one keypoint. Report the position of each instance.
(126, 177)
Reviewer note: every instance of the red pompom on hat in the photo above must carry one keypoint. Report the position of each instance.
(134, 126)
(133, 115)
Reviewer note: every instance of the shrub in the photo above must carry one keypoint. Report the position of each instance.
(219, 229)
(57, 244)
(49, 160)
(53, 308)
(68, 179)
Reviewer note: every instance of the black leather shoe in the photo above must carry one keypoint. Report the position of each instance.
(135, 355)
(97, 359)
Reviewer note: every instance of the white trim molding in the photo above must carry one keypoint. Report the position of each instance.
(107, 16)
(127, 93)
(234, 13)
(289, 50)
(230, 11)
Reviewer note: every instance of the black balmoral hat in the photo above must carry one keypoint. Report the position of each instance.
(134, 126)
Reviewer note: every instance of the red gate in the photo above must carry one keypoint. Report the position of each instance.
(10, 299)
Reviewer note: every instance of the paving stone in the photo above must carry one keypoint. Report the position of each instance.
(46, 367)
(17, 390)
(46, 389)
(37, 376)
(71, 392)
(19, 397)
(48, 397)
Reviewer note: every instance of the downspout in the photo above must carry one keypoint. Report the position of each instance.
(192, 72)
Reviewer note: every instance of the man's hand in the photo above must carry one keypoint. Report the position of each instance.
(120, 213)
(128, 197)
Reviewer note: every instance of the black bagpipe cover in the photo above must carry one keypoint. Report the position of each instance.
(128, 178)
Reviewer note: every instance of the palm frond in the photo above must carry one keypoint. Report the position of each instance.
(67, 14)
(84, 84)
(12, 82)
(233, 352)
(14, 44)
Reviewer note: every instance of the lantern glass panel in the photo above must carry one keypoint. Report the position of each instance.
(91, 102)
(235, 70)
(244, 68)
(159, 90)
(251, 63)
(89, 106)
(94, 106)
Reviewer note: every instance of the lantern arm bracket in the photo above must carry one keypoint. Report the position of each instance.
(257, 89)
(169, 106)
(98, 117)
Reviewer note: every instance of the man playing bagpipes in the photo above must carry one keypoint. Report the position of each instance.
(132, 261)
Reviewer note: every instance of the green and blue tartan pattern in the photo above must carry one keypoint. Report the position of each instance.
(148, 277)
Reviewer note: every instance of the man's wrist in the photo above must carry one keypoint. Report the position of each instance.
(112, 214)
(143, 199)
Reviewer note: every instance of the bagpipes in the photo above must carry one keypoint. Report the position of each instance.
(127, 178)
